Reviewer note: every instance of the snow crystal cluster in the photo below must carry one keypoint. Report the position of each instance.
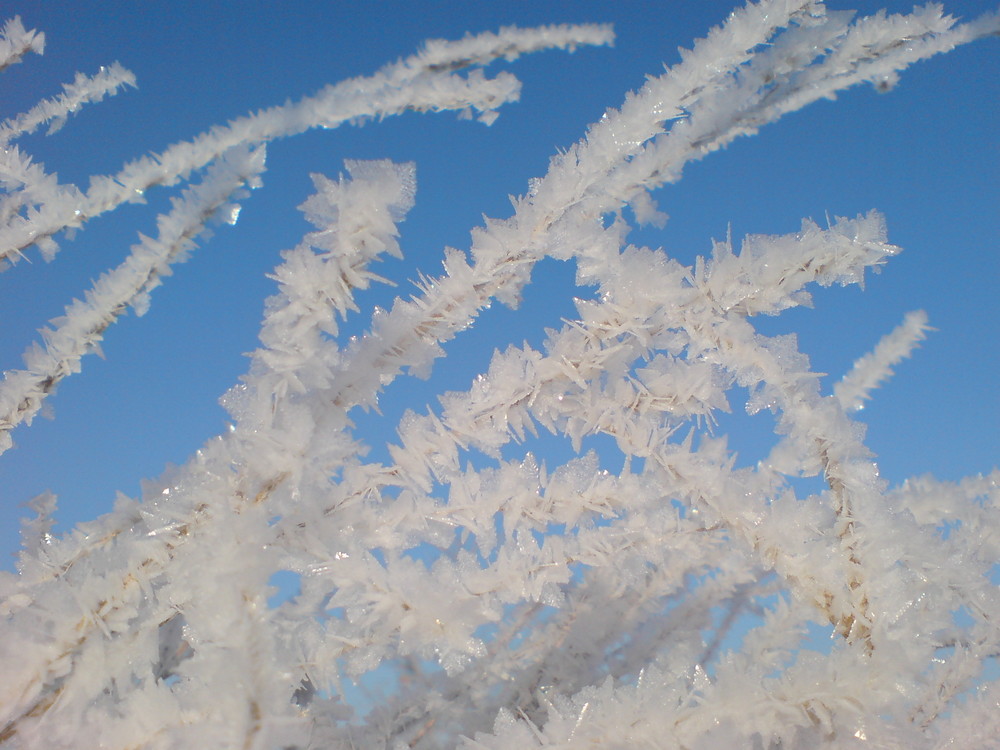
(515, 603)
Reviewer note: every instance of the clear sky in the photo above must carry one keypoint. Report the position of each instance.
(926, 155)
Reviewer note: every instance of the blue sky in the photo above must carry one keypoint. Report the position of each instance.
(926, 155)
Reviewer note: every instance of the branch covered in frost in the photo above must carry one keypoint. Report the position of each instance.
(16, 42)
(84, 90)
(27, 185)
(791, 73)
(355, 223)
(509, 43)
(668, 601)
(584, 386)
(612, 167)
(876, 367)
(80, 331)
(421, 82)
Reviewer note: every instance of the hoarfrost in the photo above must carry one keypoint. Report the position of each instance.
(516, 600)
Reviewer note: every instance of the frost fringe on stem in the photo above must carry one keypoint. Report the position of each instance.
(35, 206)
(421, 82)
(519, 605)
(83, 90)
(16, 42)
(82, 328)
(876, 367)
